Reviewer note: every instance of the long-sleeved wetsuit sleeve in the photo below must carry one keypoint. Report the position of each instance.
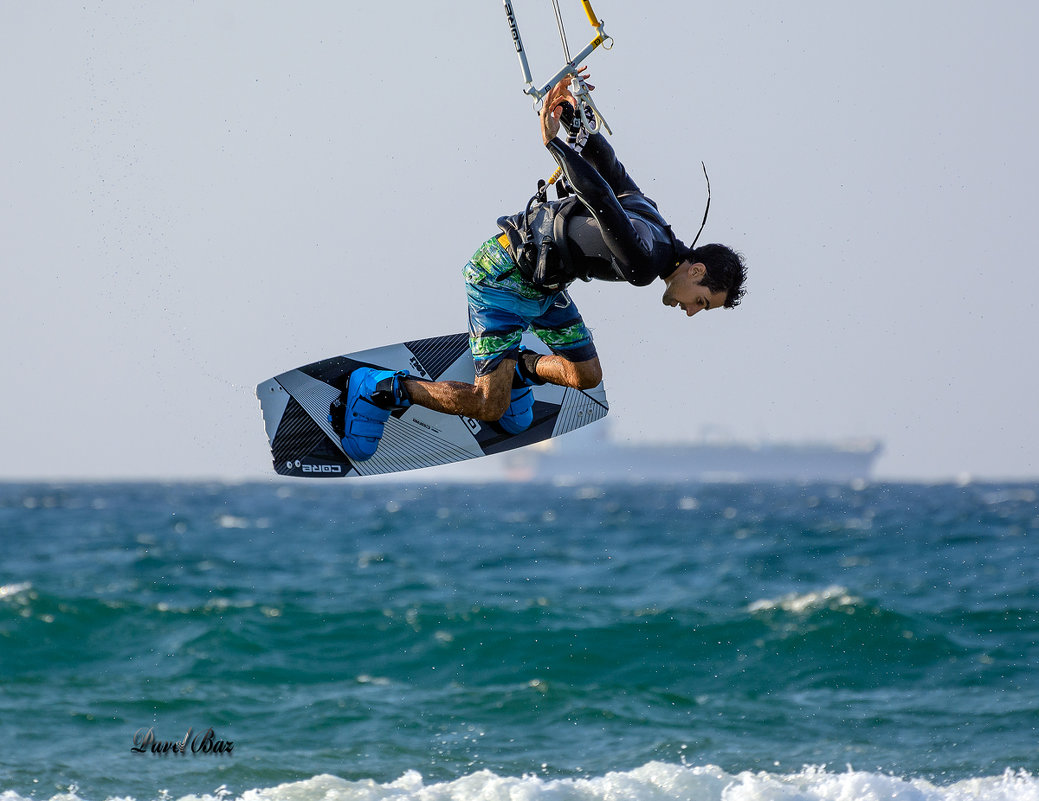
(599, 153)
(597, 192)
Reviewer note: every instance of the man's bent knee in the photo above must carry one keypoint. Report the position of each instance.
(588, 374)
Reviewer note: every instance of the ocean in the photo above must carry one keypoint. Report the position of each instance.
(342, 640)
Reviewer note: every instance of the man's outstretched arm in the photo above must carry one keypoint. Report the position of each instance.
(595, 193)
(599, 153)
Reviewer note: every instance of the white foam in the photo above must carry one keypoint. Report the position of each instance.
(655, 781)
(11, 590)
(800, 603)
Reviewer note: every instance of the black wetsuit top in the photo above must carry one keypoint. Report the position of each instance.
(608, 230)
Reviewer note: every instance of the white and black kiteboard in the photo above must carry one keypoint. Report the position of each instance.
(295, 413)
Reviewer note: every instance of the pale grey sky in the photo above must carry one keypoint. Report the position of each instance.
(196, 197)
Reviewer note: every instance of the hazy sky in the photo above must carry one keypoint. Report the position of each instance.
(198, 196)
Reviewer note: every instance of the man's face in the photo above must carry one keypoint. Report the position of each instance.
(685, 291)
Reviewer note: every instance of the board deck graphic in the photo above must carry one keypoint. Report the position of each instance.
(295, 413)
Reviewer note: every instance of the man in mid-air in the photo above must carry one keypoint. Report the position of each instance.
(608, 230)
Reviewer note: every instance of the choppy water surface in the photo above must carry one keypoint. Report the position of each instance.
(361, 640)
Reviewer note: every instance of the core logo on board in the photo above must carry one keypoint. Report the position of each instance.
(322, 468)
(330, 469)
(418, 368)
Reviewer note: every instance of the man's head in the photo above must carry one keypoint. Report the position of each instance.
(707, 277)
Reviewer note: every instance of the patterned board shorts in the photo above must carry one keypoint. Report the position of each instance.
(503, 305)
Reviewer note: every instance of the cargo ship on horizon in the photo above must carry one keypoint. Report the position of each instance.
(591, 454)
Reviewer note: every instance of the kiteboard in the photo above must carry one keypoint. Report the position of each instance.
(303, 444)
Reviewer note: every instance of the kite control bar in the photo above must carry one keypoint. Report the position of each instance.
(591, 120)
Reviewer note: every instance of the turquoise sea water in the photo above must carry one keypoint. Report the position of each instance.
(355, 640)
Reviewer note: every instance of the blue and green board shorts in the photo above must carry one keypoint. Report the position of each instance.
(503, 305)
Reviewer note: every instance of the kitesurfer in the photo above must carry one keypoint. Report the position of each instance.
(608, 230)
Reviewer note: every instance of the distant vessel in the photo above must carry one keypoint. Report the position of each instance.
(590, 454)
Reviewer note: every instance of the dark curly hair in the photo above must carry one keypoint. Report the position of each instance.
(726, 270)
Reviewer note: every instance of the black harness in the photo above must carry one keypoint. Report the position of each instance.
(540, 262)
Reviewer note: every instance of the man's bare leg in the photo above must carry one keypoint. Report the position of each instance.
(488, 398)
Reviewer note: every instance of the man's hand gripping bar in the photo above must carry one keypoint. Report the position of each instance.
(593, 121)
